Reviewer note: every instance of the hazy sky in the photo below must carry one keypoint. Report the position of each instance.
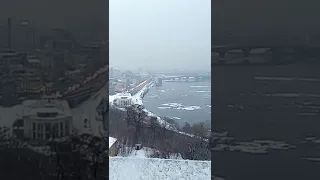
(160, 34)
(79, 16)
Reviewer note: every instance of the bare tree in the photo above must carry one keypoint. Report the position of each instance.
(79, 157)
(153, 126)
(135, 119)
(187, 128)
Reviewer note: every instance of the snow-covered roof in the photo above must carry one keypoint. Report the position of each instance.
(123, 95)
(112, 140)
(154, 168)
(32, 107)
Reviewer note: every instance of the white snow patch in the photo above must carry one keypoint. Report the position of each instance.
(124, 168)
(146, 152)
(112, 140)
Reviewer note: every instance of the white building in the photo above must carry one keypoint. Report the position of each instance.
(123, 100)
(46, 118)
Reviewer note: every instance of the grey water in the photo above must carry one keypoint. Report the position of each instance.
(183, 101)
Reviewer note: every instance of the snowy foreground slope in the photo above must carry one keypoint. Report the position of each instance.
(127, 168)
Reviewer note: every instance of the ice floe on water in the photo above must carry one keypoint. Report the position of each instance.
(189, 108)
(177, 118)
(153, 96)
(164, 107)
(234, 107)
(179, 106)
(209, 106)
(311, 159)
(292, 95)
(200, 91)
(315, 140)
(226, 143)
(312, 139)
(200, 86)
(172, 105)
(307, 114)
(255, 147)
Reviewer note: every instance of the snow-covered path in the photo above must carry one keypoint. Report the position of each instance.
(138, 97)
(154, 168)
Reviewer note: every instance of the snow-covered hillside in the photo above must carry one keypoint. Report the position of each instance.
(135, 168)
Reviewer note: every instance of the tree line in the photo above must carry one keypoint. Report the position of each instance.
(79, 157)
(134, 126)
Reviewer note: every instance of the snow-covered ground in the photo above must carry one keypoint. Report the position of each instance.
(144, 152)
(135, 168)
(8, 115)
(112, 140)
(87, 110)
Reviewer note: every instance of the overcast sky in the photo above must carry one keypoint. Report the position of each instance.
(160, 34)
(79, 16)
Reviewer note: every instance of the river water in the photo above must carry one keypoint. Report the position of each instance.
(266, 122)
(183, 101)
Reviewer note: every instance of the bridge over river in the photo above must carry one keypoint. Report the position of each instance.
(276, 52)
(186, 78)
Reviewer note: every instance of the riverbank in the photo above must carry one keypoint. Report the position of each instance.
(138, 100)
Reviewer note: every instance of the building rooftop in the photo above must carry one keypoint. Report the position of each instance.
(34, 107)
(123, 95)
